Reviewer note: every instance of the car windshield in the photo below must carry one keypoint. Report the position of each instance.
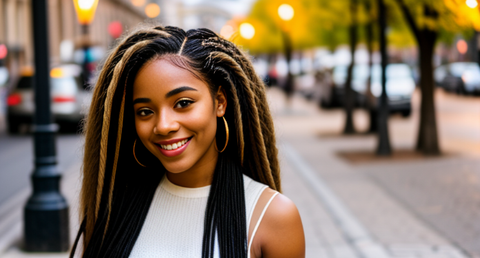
(340, 74)
(457, 69)
(394, 71)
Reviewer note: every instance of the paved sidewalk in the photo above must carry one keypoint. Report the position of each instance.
(348, 211)
(370, 194)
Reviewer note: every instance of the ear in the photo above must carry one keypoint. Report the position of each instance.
(220, 102)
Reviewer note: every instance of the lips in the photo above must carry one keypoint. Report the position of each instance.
(173, 147)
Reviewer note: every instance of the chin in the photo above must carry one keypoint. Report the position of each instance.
(175, 167)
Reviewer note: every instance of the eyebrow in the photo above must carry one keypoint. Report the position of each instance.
(141, 100)
(168, 95)
(178, 90)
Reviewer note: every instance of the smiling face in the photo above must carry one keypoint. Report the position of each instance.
(176, 120)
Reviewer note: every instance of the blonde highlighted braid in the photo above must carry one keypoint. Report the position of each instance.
(109, 127)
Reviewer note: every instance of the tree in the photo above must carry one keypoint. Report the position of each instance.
(383, 138)
(428, 19)
(349, 99)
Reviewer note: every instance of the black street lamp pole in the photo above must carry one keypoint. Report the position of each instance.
(86, 46)
(46, 227)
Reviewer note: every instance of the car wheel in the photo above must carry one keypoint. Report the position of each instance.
(406, 113)
(461, 90)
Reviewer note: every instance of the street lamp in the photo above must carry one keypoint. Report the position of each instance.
(152, 10)
(471, 3)
(85, 13)
(46, 225)
(286, 13)
(247, 30)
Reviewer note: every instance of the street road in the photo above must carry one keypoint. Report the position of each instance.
(16, 159)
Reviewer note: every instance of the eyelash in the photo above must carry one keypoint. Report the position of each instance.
(187, 103)
(139, 112)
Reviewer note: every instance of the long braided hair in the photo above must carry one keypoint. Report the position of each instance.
(117, 191)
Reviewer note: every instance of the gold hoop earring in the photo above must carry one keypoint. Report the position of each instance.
(135, 156)
(227, 134)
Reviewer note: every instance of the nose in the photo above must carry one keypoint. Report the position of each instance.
(166, 124)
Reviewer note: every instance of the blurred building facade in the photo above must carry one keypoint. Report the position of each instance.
(65, 33)
(16, 29)
(190, 14)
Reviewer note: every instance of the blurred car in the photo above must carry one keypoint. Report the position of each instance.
(332, 85)
(68, 93)
(305, 84)
(400, 87)
(459, 77)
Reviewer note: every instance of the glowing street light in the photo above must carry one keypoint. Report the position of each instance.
(85, 10)
(85, 13)
(285, 11)
(472, 3)
(152, 10)
(247, 30)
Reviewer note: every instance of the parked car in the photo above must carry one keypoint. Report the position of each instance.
(400, 87)
(459, 77)
(305, 84)
(69, 97)
(332, 85)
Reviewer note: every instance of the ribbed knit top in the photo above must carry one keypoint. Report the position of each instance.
(175, 221)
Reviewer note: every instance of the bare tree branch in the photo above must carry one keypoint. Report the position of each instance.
(410, 20)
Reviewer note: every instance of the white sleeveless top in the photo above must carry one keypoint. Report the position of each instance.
(174, 223)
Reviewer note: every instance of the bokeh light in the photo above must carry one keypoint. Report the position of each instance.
(138, 3)
(247, 30)
(115, 29)
(152, 10)
(227, 31)
(472, 3)
(462, 46)
(285, 12)
(85, 4)
(3, 51)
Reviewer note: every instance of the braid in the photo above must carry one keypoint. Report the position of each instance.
(98, 125)
(261, 123)
(114, 201)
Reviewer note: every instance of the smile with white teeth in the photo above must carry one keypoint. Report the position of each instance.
(174, 146)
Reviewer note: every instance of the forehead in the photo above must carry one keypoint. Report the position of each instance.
(161, 76)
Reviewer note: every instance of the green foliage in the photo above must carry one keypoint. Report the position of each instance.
(325, 22)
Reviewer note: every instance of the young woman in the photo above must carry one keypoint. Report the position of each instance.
(180, 157)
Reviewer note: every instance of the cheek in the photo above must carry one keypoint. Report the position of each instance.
(143, 129)
(203, 122)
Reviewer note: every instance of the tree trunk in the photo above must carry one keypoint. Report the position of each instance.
(289, 87)
(427, 140)
(349, 99)
(383, 148)
(370, 101)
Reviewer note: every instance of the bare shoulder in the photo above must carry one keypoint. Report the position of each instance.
(281, 233)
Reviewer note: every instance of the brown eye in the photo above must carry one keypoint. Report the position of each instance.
(183, 103)
(144, 112)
